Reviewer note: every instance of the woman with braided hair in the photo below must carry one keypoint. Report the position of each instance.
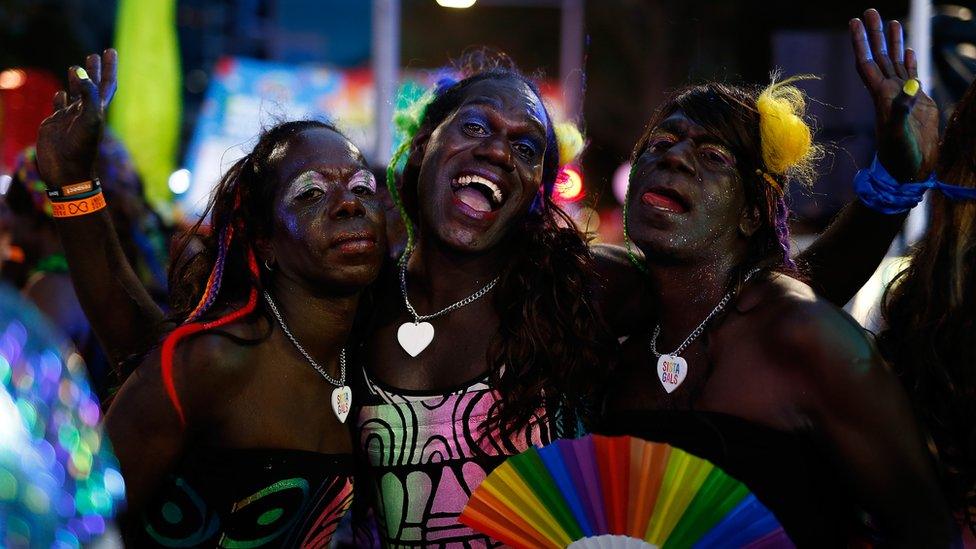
(231, 432)
(745, 365)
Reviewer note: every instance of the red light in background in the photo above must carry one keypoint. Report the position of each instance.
(12, 79)
(25, 100)
(569, 185)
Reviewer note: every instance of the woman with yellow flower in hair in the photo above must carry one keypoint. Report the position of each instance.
(745, 365)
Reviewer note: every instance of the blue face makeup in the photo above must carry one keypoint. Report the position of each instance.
(475, 124)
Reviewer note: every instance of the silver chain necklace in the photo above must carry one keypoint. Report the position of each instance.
(671, 368)
(342, 394)
(415, 336)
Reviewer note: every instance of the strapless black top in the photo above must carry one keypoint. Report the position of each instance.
(249, 498)
(786, 471)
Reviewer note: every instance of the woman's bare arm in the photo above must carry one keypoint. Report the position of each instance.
(123, 315)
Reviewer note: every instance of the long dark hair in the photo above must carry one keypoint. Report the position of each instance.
(551, 348)
(729, 112)
(930, 315)
(216, 270)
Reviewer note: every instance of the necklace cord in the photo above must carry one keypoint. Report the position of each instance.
(418, 318)
(701, 326)
(341, 382)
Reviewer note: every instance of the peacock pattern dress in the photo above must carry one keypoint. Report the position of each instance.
(244, 498)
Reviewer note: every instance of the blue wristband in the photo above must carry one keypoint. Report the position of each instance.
(881, 192)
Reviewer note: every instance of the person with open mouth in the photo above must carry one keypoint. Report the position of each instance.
(471, 361)
(744, 365)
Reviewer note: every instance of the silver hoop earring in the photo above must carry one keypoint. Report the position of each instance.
(268, 265)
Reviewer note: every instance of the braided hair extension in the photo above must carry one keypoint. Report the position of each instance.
(190, 328)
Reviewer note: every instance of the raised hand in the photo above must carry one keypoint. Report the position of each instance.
(67, 141)
(906, 119)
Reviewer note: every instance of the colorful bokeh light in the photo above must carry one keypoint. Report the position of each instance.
(59, 481)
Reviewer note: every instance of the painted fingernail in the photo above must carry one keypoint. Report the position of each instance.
(911, 87)
(82, 73)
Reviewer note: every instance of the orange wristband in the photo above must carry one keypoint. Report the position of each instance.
(82, 206)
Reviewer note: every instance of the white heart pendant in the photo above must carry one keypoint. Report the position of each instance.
(341, 402)
(671, 371)
(415, 337)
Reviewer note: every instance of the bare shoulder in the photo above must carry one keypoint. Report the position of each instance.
(621, 292)
(803, 329)
(612, 258)
(220, 358)
(204, 365)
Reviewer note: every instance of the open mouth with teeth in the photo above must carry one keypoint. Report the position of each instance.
(477, 193)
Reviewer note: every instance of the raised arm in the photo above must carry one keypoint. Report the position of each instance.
(842, 259)
(120, 310)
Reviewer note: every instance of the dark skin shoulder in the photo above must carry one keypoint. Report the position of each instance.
(856, 404)
(146, 435)
(836, 265)
(788, 360)
(621, 293)
(240, 387)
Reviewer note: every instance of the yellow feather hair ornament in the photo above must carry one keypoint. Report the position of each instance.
(787, 140)
(570, 142)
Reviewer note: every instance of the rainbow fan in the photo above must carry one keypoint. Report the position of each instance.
(622, 492)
